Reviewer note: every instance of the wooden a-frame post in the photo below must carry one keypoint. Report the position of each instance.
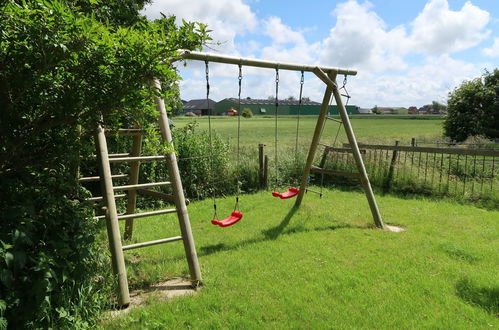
(332, 88)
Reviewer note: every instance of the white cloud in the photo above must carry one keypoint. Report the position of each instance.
(282, 34)
(440, 30)
(494, 50)
(227, 18)
(372, 46)
(360, 39)
(421, 84)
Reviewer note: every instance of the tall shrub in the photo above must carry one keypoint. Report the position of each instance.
(63, 65)
(473, 108)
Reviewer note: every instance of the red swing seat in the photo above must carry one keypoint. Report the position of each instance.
(292, 192)
(229, 221)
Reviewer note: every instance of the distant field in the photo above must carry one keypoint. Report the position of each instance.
(368, 130)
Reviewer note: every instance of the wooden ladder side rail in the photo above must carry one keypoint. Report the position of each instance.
(178, 192)
(364, 179)
(113, 228)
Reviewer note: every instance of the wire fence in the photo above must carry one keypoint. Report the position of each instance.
(463, 172)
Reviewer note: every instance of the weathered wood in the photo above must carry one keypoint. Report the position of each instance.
(150, 243)
(316, 169)
(333, 119)
(133, 180)
(178, 191)
(145, 214)
(453, 151)
(389, 177)
(329, 80)
(315, 142)
(142, 185)
(97, 178)
(346, 148)
(113, 229)
(100, 198)
(313, 191)
(193, 55)
(160, 195)
(136, 158)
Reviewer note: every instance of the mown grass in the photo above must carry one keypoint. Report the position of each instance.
(378, 129)
(325, 266)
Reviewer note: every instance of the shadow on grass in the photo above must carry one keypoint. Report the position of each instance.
(273, 233)
(485, 298)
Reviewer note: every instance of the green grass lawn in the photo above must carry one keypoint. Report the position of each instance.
(367, 130)
(325, 266)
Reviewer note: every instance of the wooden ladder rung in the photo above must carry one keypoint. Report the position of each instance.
(100, 198)
(137, 158)
(97, 178)
(100, 217)
(142, 185)
(159, 241)
(334, 119)
(145, 214)
(125, 154)
(160, 195)
(340, 173)
(313, 191)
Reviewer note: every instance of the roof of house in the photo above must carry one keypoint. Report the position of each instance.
(199, 104)
(270, 102)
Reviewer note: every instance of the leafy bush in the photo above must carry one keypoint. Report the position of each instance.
(204, 171)
(64, 65)
(473, 108)
(247, 113)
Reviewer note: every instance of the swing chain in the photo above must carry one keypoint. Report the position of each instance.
(275, 128)
(239, 78)
(344, 87)
(207, 71)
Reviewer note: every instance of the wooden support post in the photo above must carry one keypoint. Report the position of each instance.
(389, 178)
(261, 165)
(315, 142)
(364, 179)
(133, 179)
(113, 228)
(178, 192)
(413, 142)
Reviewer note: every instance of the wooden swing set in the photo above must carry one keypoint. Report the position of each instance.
(133, 188)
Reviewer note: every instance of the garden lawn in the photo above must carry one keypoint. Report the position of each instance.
(325, 266)
(368, 129)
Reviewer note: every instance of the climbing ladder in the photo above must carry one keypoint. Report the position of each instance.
(110, 192)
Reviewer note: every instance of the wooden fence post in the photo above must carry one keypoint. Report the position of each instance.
(261, 165)
(389, 178)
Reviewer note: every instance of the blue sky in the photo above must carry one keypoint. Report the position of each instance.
(406, 52)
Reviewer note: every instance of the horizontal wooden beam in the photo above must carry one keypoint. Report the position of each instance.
(453, 151)
(316, 169)
(159, 241)
(160, 195)
(134, 159)
(200, 56)
(142, 185)
(145, 214)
